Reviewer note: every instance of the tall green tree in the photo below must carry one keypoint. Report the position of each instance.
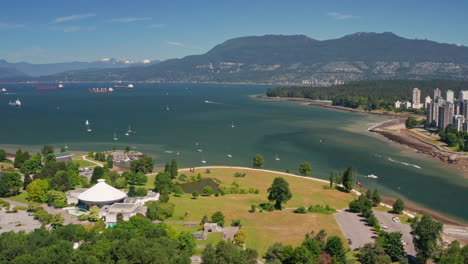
(31, 165)
(187, 242)
(46, 150)
(2, 155)
(348, 179)
(37, 190)
(391, 243)
(145, 164)
(332, 179)
(376, 199)
(258, 161)
(218, 218)
(373, 254)
(163, 182)
(398, 206)
(110, 161)
(279, 192)
(10, 184)
(19, 159)
(98, 173)
(174, 169)
(335, 248)
(427, 236)
(305, 168)
(61, 181)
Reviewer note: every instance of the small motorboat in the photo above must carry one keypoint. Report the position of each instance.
(372, 176)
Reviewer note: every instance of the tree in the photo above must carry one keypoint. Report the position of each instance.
(453, 254)
(391, 243)
(93, 213)
(31, 165)
(19, 159)
(3, 155)
(398, 206)
(61, 181)
(37, 190)
(411, 122)
(278, 253)
(228, 253)
(426, 236)
(373, 254)
(158, 210)
(174, 169)
(348, 179)
(145, 165)
(56, 198)
(135, 178)
(163, 182)
(27, 181)
(10, 184)
(279, 192)
(195, 194)
(178, 190)
(332, 179)
(46, 150)
(98, 173)
(335, 248)
(305, 168)
(119, 217)
(50, 158)
(218, 218)
(376, 199)
(258, 161)
(187, 242)
(110, 161)
(208, 190)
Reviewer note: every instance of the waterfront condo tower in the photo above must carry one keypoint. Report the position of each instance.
(416, 98)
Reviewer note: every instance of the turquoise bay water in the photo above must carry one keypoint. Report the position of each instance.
(330, 140)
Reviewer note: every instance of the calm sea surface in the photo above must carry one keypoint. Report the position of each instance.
(201, 116)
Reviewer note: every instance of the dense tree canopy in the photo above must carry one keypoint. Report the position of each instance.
(305, 168)
(427, 235)
(10, 184)
(258, 161)
(348, 179)
(145, 165)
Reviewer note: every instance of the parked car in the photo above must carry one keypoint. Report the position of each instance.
(396, 219)
(384, 227)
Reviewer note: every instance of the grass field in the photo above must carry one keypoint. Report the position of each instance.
(82, 162)
(263, 229)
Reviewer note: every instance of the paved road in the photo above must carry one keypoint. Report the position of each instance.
(84, 157)
(385, 219)
(354, 228)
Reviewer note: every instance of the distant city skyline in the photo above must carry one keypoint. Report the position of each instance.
(59, 31)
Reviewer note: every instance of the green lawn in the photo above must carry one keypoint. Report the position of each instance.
(85, 163)
(22, 198)
(263, 229)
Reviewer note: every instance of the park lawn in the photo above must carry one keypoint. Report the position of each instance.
(264, 229)
(22, 198)
(85, 163)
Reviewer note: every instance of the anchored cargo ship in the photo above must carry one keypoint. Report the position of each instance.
(49, 87)
(130, 86)
(101, 90)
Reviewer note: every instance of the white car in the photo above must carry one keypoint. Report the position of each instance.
(385, 227)
(396, 219)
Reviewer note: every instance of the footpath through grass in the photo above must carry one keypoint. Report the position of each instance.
(264, 229)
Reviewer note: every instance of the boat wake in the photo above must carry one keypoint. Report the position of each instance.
(211, 102)
(168, 151)
(404, 163)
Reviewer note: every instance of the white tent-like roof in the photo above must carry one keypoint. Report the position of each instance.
(101, 192)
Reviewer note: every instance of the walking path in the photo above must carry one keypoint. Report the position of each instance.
(92, 161)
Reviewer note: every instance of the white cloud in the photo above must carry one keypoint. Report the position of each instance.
(130, 19)
(8, 25)
(174, 43)
(340, 16)
(157, 26)
(71, 18)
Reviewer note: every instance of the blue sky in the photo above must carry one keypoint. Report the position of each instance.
(86, 30)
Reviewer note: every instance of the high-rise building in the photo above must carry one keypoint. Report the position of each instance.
(463, 95)
(416, 98)
(450, 97)
(464, 109)
(433, 112)
(446, 111)
(458, 121)
(437, 93)
(427, 101)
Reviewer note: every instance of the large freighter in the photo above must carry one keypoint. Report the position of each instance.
(130, 86)
(101, 90)
(49, 87)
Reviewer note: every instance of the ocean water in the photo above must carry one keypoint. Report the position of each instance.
(200, 117)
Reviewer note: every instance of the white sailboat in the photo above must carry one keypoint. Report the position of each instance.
(232, 124)
(87, 126)
(276, 157)
(115, 137)
(167, 108)
(128, 131)
(229, 155)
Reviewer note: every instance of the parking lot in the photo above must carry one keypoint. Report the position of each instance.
(385, 219)
(354, 228)
(19, 221)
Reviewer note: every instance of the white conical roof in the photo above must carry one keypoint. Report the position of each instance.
(102, 192)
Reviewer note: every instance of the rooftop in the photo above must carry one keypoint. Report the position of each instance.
(102, 192)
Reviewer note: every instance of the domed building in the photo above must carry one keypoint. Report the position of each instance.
(100, 194)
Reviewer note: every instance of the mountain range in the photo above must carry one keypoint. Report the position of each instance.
(298, 59)
(23, 69)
